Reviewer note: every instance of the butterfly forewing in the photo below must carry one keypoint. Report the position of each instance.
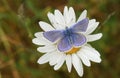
(64, 44)
(80, 26)
(53, 35)
(78, 39)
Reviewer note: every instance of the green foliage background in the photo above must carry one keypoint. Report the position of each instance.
(19, 21)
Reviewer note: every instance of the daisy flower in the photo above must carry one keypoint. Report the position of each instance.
(60, 46)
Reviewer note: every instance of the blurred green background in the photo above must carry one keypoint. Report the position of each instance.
(19, 21)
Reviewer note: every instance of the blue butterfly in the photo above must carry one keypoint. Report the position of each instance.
(70, 37)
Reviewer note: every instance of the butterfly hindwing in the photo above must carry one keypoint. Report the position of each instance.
(64, 44)
(53, 35)
(80, 26)
(78, 39)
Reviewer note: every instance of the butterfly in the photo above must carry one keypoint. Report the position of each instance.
(69, 37)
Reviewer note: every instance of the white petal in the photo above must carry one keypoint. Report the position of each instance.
(69, 16)
(83, 15)
(57, 58)
(69, 62)
(60, 62)
(39, 34)
(93, 37)
(92, 25)
(72, 16)
(60, 19)
(36, 41)
(91, 55)
(47, 48)
(53, 59)
(41, 40)
(45, 58)
(84, 59)
(90, 48)
(45, 26)
(66, 14)
(77, 64)
(52, 19)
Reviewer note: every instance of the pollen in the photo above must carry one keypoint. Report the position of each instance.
(73, 50)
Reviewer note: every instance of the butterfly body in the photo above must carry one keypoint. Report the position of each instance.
(70, 37)
(68, 33)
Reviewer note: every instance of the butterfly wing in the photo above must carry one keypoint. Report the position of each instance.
(65, 44)
(80, 26)
(78, 39)
(53, 35)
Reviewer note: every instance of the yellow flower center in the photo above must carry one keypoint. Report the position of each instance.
(73, 50)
